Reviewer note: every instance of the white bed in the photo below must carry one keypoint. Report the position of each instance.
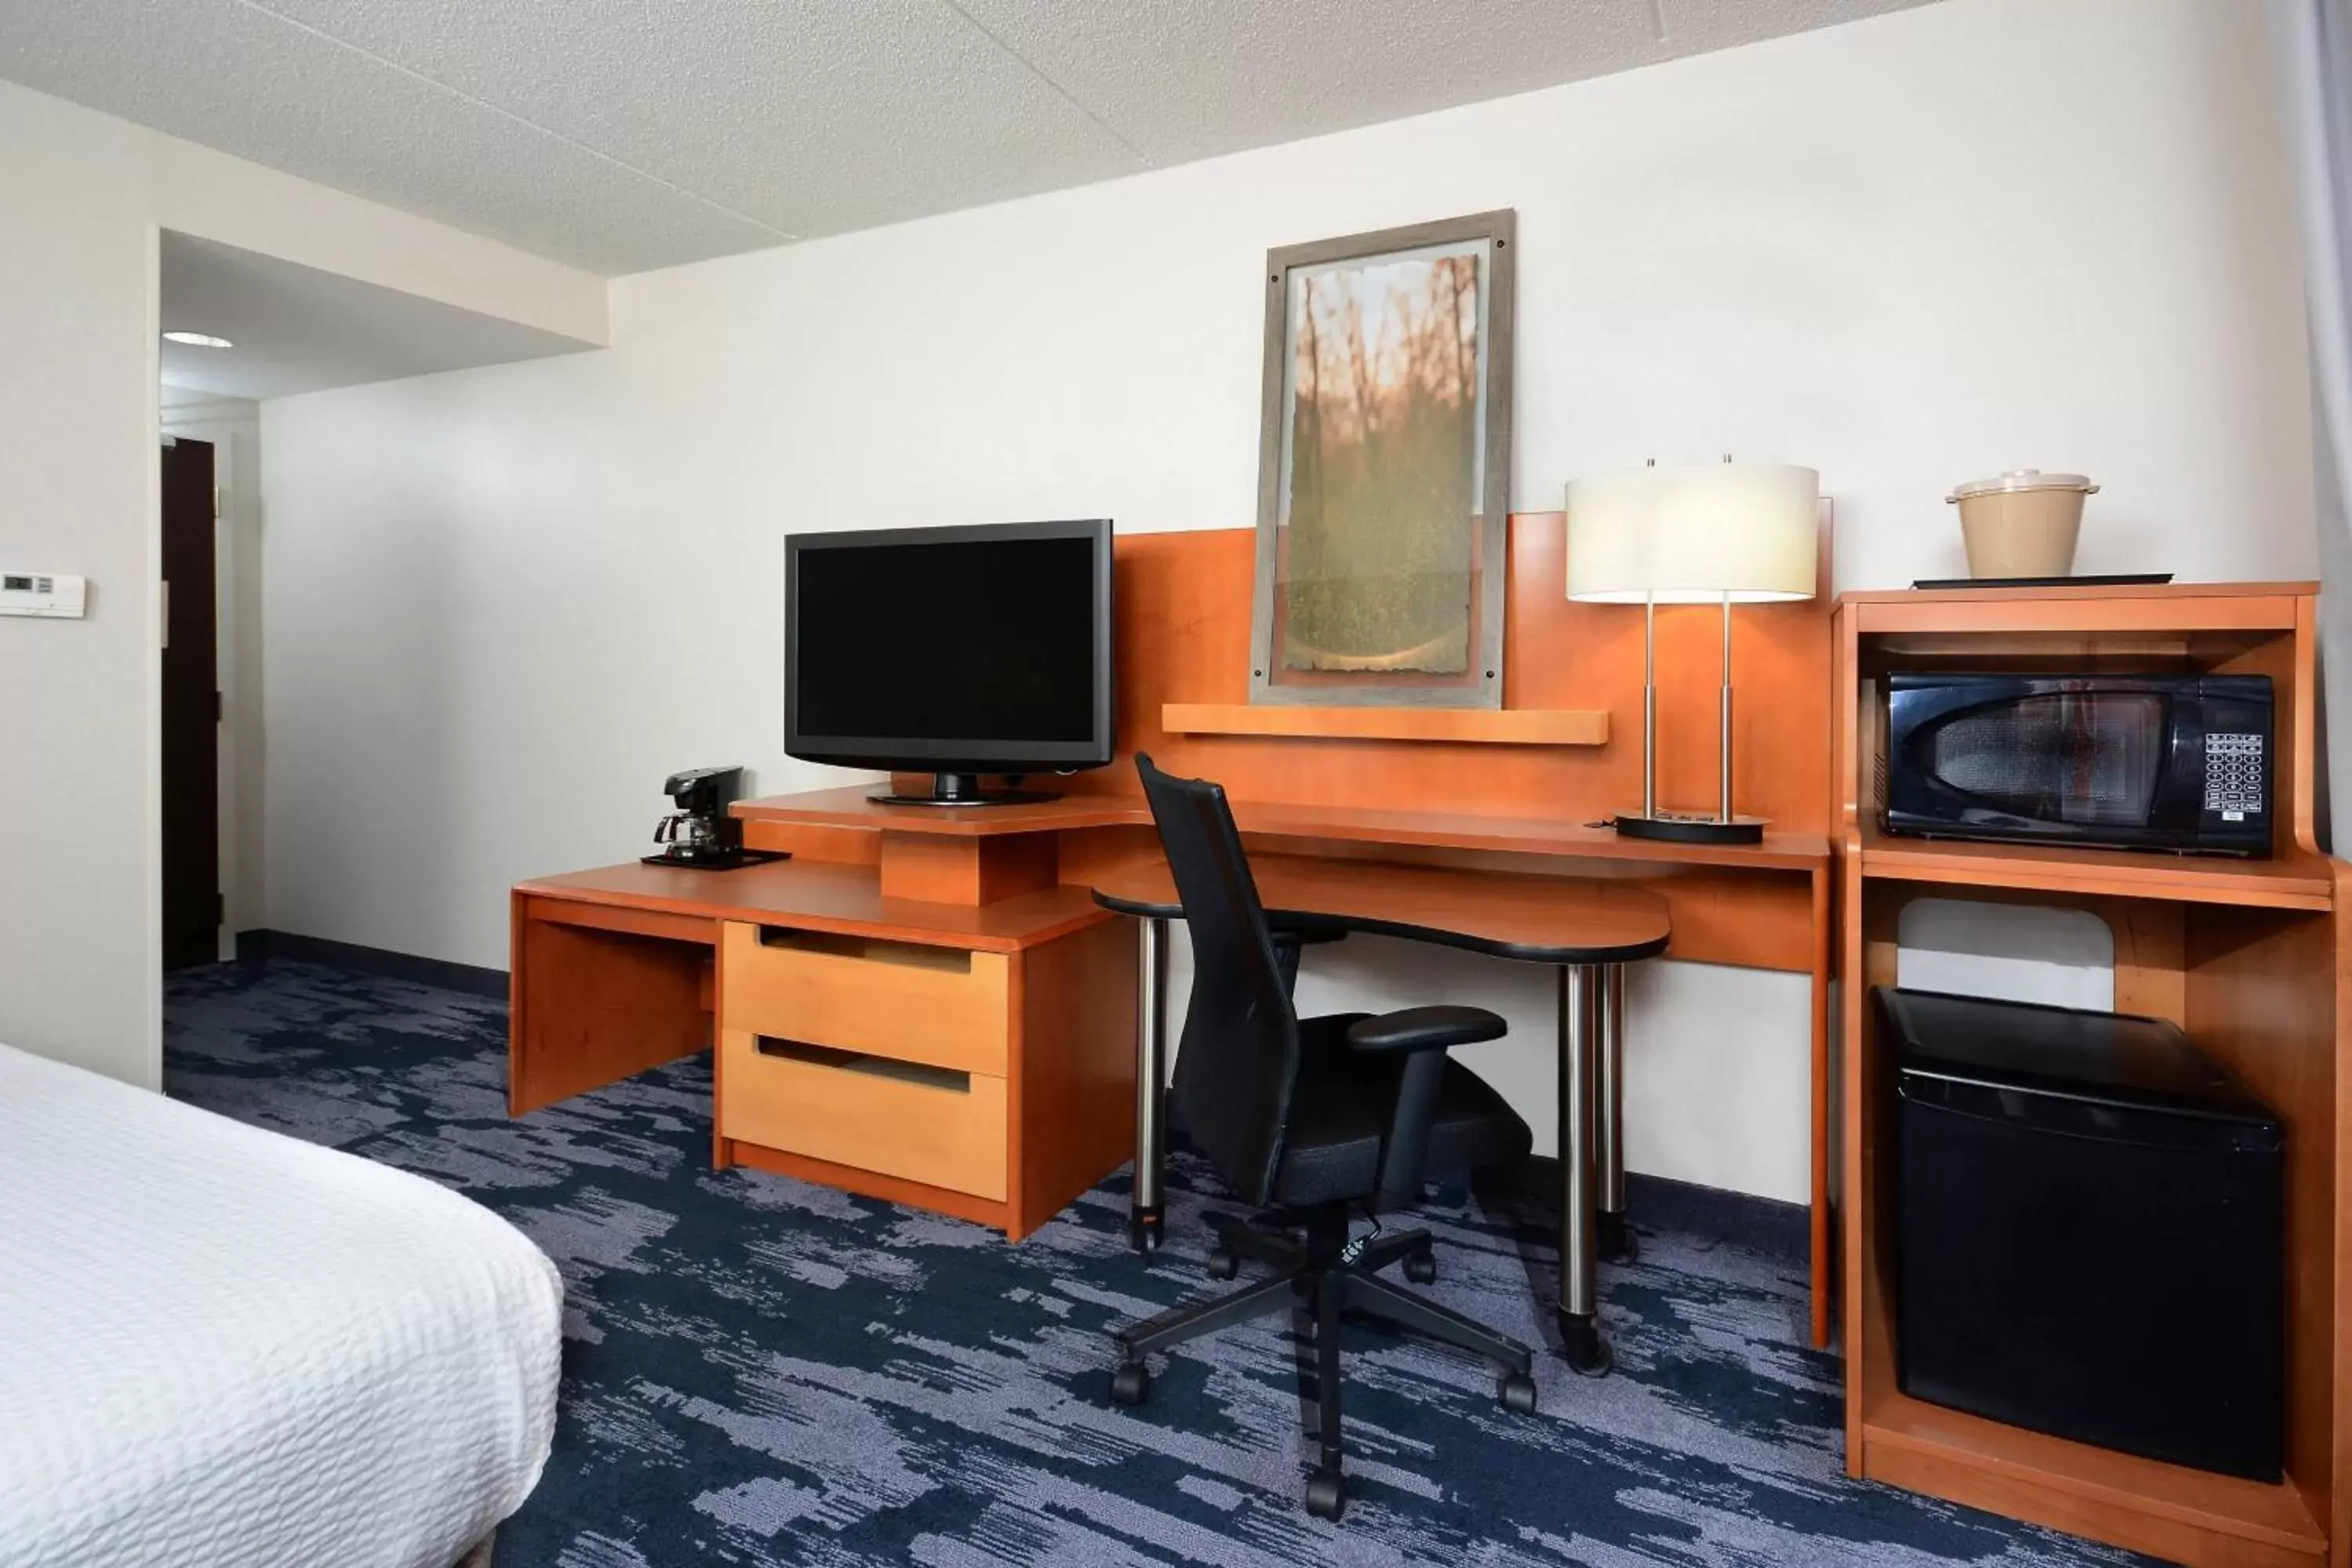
(220, 1346)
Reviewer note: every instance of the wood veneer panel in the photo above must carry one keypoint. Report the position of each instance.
(1183, 628)
(940, 868)
(591, 1007)
(2296, 882)
(1518, 917)
(947, 1008)
(1074, 1100)
(2079, 611)
(2246, 1531)
(2261, 1000)
(867, 1183)
(843, 899)
(1125, 819)
(814, 841)
(853, 807)
(1482, 726)
(951, 1137)
(2159, 595)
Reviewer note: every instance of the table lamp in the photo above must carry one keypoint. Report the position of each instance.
(1733, 534)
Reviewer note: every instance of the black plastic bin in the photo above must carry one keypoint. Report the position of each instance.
(2088, 1231)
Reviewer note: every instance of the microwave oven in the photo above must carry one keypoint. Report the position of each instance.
(2129, 761)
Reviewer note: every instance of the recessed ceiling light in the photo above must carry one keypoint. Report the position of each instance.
(198, 339)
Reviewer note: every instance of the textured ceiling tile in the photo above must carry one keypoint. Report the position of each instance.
(814, 116)
(225, 74)
(624, 134)
(1190, 79)
(1695, 26)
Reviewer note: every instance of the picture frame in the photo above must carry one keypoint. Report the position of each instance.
(1384, 461)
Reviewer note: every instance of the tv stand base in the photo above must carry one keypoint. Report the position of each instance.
(963, 789)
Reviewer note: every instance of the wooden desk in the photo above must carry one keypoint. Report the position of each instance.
(633, 983)
(1001, 1025)
(1764, 906)
(1585, 930)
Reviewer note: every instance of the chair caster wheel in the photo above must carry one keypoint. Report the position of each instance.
(1420, 1268)
(1517, 1392)
(1326, 1494)
(1131, 1385)
(1222, 1264)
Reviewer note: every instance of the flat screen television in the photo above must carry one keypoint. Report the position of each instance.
(951, 651)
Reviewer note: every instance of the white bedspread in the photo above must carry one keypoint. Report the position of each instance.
(220, 1346)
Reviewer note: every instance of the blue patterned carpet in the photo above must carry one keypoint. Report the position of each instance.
(760, 1372)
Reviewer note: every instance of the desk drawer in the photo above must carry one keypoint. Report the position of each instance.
(940, 1005)
(933, 1125)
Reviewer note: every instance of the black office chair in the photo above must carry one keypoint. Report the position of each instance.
(1313, 1117)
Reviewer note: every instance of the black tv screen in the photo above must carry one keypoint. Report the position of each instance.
(983, 649)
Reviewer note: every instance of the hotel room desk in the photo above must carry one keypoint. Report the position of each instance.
(588, 1011)
(1579, 927)
(999, 1030)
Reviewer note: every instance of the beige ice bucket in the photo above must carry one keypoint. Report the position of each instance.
(2022, 524)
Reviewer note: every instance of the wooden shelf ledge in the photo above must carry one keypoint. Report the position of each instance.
(1482, 726)
(2293, 881)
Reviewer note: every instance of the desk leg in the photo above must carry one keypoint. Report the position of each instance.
(1580, 1299)
(1144, 1216)
(1615, 1242)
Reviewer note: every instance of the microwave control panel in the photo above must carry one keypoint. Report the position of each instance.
(2233, 774)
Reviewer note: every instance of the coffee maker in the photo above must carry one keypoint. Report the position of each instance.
(701, 833)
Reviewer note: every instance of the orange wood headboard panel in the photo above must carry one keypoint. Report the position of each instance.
(1183, 636)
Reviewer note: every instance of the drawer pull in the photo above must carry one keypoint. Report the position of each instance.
(874, 1067)
(947, 1006)
(904, 954)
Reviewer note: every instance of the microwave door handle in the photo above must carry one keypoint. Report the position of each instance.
(2181, 770)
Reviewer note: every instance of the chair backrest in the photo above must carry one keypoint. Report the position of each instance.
(1238, 1062)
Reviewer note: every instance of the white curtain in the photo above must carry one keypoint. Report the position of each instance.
(2312, 40)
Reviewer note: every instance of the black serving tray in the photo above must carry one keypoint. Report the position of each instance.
(2107, 580)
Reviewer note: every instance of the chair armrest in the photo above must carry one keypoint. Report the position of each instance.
(1425, 1028)
(1290, 941)
(1420, 1035)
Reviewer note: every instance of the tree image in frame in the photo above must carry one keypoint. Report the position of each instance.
(1382, 502)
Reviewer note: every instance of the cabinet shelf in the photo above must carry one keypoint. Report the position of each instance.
(2246, 956)
(2296, 880)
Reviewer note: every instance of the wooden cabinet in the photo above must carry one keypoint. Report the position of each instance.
(909, 1065)
(2248, 957)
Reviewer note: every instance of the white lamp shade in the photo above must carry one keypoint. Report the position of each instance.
(1694, 535)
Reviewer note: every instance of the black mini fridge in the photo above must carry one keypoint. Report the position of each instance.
(2088, 1231)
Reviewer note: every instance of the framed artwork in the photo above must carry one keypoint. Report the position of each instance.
(1385, 463)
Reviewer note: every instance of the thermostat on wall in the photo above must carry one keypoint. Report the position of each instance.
(42, 593)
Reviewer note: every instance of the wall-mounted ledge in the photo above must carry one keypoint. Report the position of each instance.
(1485, 726)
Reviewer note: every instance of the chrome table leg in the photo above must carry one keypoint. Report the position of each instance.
(1579, 1305)
(1615, 1238)
(1144, 1215)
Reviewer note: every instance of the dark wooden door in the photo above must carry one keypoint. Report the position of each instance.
(192, 892)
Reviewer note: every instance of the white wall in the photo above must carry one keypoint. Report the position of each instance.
(81, 198)
(1987, 234)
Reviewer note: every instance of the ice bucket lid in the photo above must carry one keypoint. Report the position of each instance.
(2022, 479)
